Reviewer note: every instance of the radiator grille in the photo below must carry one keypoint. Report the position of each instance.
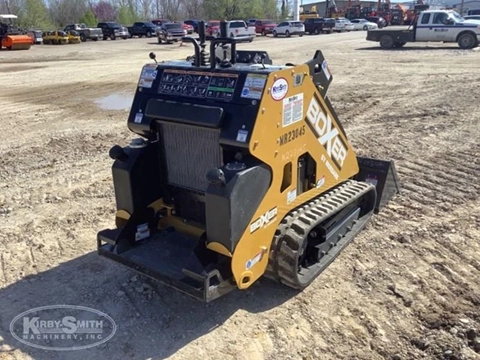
(190, 152)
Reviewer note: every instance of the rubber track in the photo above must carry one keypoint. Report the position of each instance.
(299, 222)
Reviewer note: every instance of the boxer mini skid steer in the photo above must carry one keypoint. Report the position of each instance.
(242, 170)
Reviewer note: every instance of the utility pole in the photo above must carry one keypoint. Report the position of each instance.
(295, 10)
(158, 10)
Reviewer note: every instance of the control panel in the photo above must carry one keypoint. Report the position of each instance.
(198, 84)
(226, 99)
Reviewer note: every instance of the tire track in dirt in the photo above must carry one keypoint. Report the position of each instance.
(58, 182)
(449, 278)
(429, 188)
(459, 166)
(459, 254)
(51, 153)
(443, 171)
(422, 184)
(424, 303)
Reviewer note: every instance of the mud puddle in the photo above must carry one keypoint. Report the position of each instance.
(115, 102)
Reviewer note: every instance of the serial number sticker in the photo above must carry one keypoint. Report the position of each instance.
(254, 85)
(242, 135)
(138, 118)
(292, 109)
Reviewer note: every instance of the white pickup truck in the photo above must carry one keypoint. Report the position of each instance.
(238, 29)
(431, 25)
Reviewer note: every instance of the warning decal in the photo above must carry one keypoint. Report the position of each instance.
(292, 109)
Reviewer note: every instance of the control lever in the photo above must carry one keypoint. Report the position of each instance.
(213, 54)
(201, 57)
(226, 61)
(196, 45)
(153, 57)
(225, 48)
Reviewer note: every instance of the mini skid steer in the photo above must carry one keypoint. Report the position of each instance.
(242, 170)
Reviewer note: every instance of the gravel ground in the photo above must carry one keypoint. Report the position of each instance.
(408, 287)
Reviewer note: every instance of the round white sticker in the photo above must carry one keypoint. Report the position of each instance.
(279, 89)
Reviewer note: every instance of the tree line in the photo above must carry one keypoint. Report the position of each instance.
(55, 14)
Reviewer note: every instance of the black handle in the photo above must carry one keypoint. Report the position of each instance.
(196, 46)
(216, 41)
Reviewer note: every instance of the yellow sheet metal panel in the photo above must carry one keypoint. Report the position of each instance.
(293, 119)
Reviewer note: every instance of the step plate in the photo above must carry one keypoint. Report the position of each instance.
(164, 257)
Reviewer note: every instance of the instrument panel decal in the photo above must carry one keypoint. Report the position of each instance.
(219, 86)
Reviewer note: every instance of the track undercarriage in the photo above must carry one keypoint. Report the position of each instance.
(313, 235)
